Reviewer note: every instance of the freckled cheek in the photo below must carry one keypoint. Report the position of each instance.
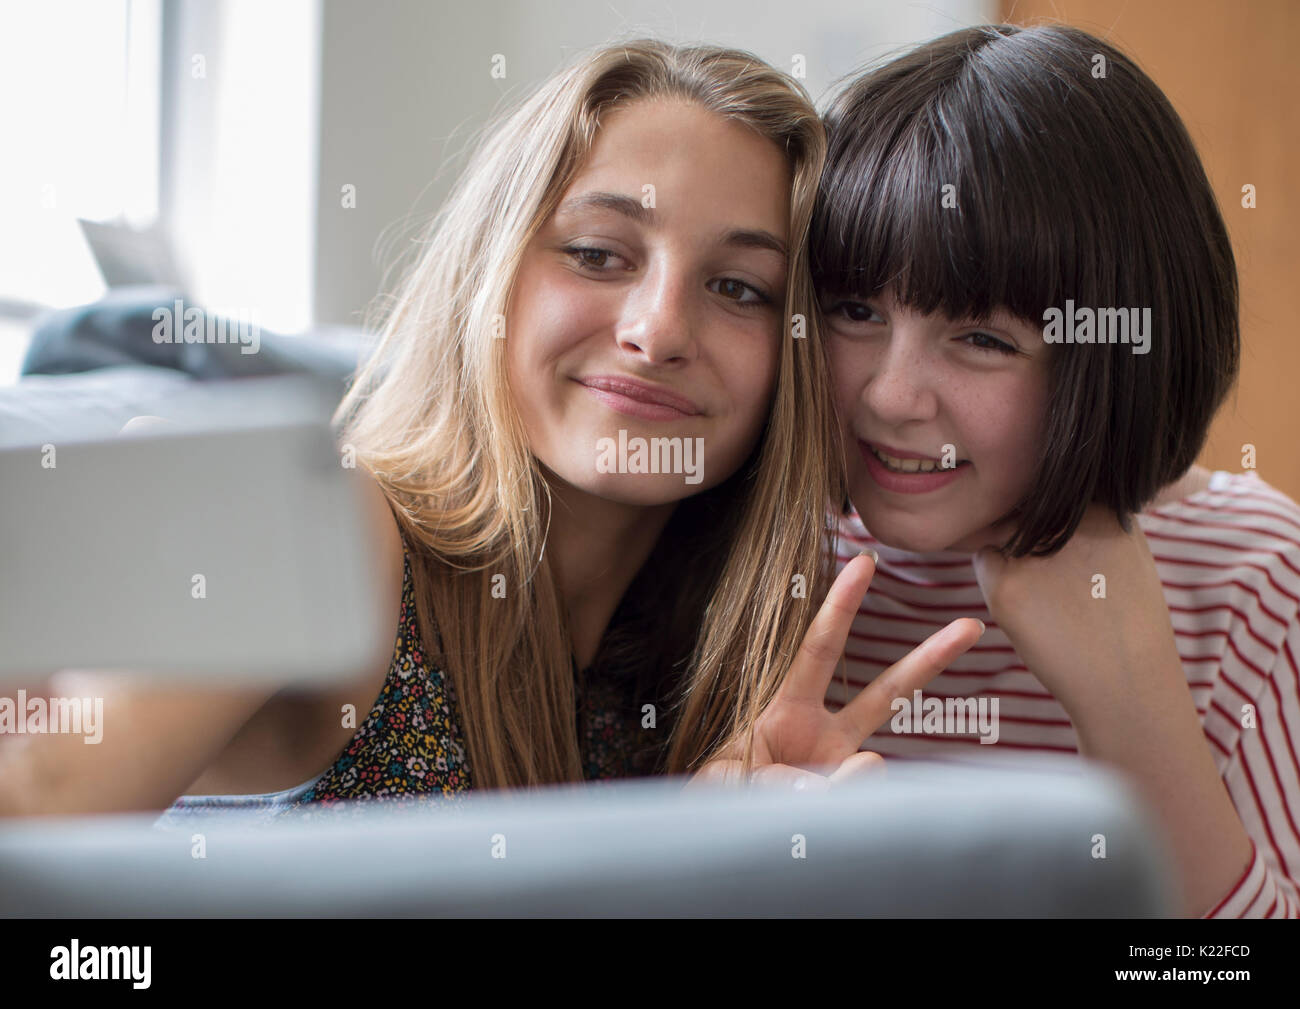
(849, 370)
(847, 394)
(1004, 443)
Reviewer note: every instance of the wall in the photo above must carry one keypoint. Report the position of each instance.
(404, 85)
(1229, 71)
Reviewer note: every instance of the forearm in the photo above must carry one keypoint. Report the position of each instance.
(151, 740)
(1142, 722)
(18, 791)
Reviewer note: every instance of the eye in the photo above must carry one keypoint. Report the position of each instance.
(854, 311)
(985, 342)
(735, 290)
(590, 258)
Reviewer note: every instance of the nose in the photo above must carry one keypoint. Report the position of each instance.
(901, 387)
(658, 322)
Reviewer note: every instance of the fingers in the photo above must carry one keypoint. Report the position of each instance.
(873, 706)
(862, 764)
(814, 665)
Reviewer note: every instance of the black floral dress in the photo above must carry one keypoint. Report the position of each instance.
(412, 742)
(411, 747)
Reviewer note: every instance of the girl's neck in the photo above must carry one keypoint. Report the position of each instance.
(595, 548)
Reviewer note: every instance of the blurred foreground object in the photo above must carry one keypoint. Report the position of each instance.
(228, 545)
(931, 840)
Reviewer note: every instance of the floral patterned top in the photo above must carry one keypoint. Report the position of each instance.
(411, 746)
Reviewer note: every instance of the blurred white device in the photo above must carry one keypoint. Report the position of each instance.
(230, 545)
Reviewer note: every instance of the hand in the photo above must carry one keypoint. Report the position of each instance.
(1090, 613)
(1112, 661)
(796, 737)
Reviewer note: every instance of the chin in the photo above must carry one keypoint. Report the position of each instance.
(643, 490)
(924, 541)
(912, 535)
(912, 542)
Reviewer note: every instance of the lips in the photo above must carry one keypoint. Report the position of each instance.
(641, 399)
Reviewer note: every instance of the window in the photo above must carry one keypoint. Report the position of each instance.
(80, 127)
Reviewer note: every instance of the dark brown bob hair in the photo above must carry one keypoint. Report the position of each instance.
(1069, 185)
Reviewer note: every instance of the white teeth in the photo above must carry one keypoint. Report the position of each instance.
(906, 465)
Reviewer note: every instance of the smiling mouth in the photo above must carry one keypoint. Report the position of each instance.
(896, 464)
(639, 399)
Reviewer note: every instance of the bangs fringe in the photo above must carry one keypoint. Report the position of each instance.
(1018, 230)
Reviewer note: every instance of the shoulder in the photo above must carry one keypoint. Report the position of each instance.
(388, 568)
(1233, 544)
(381, 526)
(1231, 510)
(1194, 481)
(397, 573)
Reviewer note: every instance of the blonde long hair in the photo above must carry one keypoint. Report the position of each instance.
(432, 418)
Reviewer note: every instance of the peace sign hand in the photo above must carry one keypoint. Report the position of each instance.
(796, 734)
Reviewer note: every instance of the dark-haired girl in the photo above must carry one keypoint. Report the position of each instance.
(1141, 611)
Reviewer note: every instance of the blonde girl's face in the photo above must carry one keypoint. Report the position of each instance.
(915, 392)
(645, 320)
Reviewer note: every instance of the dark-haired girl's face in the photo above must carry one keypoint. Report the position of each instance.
(942, 420)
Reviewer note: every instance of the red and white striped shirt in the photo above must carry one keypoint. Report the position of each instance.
(1229, 560)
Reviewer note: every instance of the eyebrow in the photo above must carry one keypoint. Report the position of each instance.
(743, 238)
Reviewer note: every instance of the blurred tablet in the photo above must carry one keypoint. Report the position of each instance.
(229, 545)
